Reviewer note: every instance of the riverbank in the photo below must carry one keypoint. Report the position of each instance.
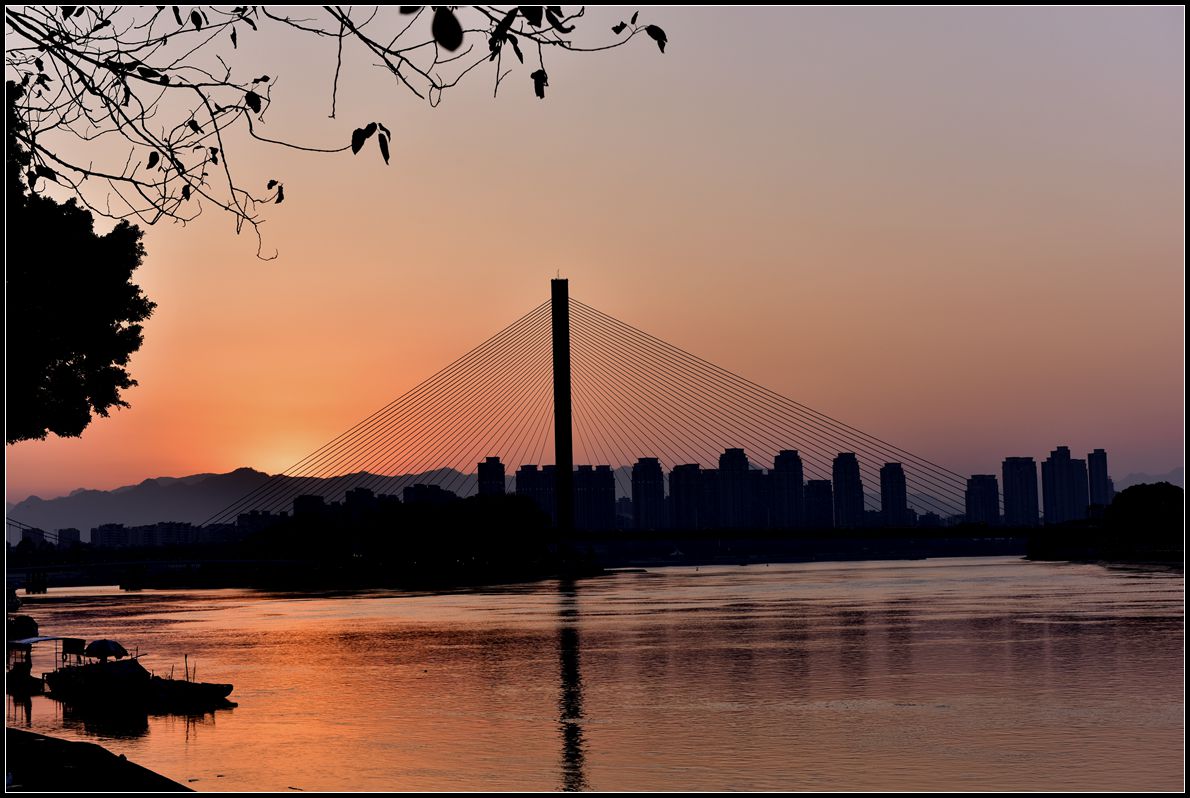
(37, 763)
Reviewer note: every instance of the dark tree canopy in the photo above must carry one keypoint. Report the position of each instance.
(72, 315)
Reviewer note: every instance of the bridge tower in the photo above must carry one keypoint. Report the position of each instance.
(563, 435)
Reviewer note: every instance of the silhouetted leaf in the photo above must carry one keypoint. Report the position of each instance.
(516, 48)
(37, 62)
(234, 46)
(196, 20)
(250, 23)
(383, 146)
(79, 11)
(555, 21)
(154, 157)
(177, 14)
(446, 29)
(619, 28)
(280, 194)
(147, 72)
(540, 81)
(186, 191)
(384, 130)
(261, 79)
(657, 35)
(253, 100)
(165, 80)
(215, 155)
(46, 172)
(67, 11)
(360, 135)
(103, 24)
(410, 9)
(532, 14)
(194, 126)
(271, 184)
(505, 25)
(634, 16)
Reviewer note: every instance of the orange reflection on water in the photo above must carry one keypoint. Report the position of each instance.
(966, 674)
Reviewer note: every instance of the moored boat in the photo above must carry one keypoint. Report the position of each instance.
(103, 673)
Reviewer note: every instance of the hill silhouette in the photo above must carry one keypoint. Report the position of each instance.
(192, 499)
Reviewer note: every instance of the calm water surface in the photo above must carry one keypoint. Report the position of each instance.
(966, 674)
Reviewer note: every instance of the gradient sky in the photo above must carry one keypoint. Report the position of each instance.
(960, 229)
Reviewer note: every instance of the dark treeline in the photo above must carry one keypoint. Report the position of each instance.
(1144, 523)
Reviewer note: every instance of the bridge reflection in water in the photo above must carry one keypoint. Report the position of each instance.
(570, 700)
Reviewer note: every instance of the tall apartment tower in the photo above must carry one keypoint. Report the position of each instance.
(1064, 490)
(491, 477)
(820, 505)
(1020, 491)
(849, 491)
(788, 499)
(648, 493)
(735, 490)
(1099, 483)
(685, 496)
(594, 498)
(983, 500)
(894, 496)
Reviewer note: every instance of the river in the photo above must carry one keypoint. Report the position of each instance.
(969, 674)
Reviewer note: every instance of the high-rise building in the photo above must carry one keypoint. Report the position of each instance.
(849, 491)
(735, 490)
(709, 516)
(648, 493)
(983, 500)
(491, 477)
(820, 507)
(1099, 483)
(894, 497)
(594, 498)
(1064, 487)
(1020, 491)
(537, 485)
(685, 488)
(1082, 495)
(786, 491)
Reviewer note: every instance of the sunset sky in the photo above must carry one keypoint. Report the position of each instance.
(959, 229)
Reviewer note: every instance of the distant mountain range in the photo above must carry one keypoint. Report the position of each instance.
(196, 498)
(1177, 476)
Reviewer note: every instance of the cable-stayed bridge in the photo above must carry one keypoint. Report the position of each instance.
(567, 383)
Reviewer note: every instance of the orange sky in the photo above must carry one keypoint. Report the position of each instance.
(960, 229)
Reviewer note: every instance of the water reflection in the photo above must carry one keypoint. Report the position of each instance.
(570, 703)
(115, 722)
(927, 675)
(20, 711)
(853, 648)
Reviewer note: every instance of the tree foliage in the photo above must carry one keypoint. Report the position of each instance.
(73, 316)
(155, 82)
